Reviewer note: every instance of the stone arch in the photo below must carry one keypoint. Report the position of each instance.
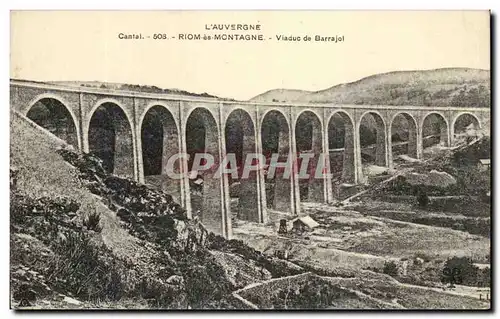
(167, 107)
(434, 129)
(202, 138)
(112, 101)
(403, 130)
(465, 126)
(341, 149)
(54, 114)
(309, 143)
(239, 130)
(206, 110)
(372, 136)
(344, 115)
(275, 111)
(308, 110)
(244, 113)
(159, 142)
(276, 142)
(111, 137)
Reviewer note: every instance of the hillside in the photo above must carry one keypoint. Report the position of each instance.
(81, 238)
(440, 87)
(279, 95)
(135, 88)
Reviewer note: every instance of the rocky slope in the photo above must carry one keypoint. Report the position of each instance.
(103, 240)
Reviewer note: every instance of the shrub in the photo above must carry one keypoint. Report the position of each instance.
(161, 295)
(92, 222)
(206, 283)
(484, 277)
(80, 267)
(459, 270)
(390, 268)
(422, 199)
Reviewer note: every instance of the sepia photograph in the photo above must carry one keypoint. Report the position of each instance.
(250, 160)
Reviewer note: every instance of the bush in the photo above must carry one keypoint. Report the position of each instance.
(390, 268)
(92, 222)
(460, 270)
(161, 295)
(484, 277)
(422, 199)
(206, 283)
(479, 96)
(80, 267)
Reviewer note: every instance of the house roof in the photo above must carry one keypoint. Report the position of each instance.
(485, 161)
(306, 220)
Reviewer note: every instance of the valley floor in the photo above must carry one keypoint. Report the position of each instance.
(350, 239)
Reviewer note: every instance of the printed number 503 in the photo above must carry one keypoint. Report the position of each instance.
(157, 36)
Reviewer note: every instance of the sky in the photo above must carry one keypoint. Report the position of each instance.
(84, 46)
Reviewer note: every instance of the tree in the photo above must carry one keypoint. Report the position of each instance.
(472, 97)
(459, 270)
(390, 268)
(484, 277)
(422, 198)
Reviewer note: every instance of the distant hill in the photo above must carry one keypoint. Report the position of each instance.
(278, 95)
(135, 88)
(439, 87)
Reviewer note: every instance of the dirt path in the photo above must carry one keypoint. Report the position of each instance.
(464, 291)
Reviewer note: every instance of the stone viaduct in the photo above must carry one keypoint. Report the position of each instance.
(115, 125)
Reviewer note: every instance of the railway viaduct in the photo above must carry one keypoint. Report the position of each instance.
(136, 133)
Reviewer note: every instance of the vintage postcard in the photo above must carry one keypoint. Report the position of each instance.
(250, 160)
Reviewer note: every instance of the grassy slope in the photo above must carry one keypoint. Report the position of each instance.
(434, 87)
(43, 172)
